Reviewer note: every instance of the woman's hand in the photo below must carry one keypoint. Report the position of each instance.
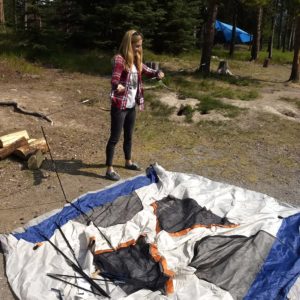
(160, 75)
(120, 88)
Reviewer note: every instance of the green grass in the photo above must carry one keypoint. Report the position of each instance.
(192, 87)
(188, 112)
(209, 103)
(210, 92)
(19, 64)
(158, 108)
(244, 54)
(54, 55)
(94, 62)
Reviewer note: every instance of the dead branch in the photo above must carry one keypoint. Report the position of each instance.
(17, 108)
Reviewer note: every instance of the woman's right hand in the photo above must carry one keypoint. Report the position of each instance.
(120, 88)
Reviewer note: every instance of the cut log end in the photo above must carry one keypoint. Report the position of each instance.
(35, 161)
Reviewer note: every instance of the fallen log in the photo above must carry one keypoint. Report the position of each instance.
(33, 145)
(6, 151)
(8, 139)
(26, 112)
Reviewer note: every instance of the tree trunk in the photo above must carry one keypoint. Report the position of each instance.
(26, 15)
(296, 61)
(271, 38)
(232, 42)
(257, 35)
(208, 37)
(279, 33)
(2, 17)
(292, 35)
(284, 36)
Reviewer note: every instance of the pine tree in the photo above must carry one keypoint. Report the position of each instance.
(177, 30)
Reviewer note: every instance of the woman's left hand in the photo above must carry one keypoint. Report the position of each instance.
(160, 75)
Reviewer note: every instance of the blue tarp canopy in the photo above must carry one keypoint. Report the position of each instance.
(224, 32)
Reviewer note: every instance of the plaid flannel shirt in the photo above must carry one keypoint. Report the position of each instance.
(121, 76)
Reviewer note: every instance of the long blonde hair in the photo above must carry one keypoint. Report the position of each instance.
(129, 38)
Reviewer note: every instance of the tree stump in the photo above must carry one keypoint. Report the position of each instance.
(223, 68)
(153, 65)
(266, 63)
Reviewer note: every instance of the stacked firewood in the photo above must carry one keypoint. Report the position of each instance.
(19, 144)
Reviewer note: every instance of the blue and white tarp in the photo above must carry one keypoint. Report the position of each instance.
(163, 235)
(226, 31)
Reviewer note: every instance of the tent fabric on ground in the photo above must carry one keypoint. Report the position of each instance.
(224, 33)
(162, 235)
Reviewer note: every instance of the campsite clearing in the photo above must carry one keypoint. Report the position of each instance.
(258, 149)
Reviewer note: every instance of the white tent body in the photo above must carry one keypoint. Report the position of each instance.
(252, 212)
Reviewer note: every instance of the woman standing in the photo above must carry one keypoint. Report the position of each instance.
(126, 93)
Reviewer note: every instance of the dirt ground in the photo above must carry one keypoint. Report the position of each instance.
(259, 150)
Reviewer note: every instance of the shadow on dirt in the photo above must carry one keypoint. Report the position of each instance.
(71, 167)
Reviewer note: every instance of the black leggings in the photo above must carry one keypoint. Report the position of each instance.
(120, 119)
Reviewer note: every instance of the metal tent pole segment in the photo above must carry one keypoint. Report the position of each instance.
(75, 267)
(95, 279)
(54, 164)
(68, 244)
(63, 191)
(54, 276)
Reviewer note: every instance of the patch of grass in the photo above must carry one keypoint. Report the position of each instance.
(211, 124)
(223, 93)
(157, 107)
(244, 54)
(209, 100)
(55, 55)
(188, 84)
(295, 101)
(208, 103)
(280, 57)
(233, 112)
(94, 62)
(235, 80)
(188, 112)
(19, 64)
(193, 89)
(247, 95)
